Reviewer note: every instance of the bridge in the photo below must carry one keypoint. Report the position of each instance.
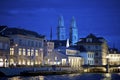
(101, 68)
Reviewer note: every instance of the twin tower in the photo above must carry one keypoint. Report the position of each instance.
(73, 31)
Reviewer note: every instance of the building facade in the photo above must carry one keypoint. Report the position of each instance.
(88, 58)
(26, 47)
(4, 51)
(96, 45)
(113, 57)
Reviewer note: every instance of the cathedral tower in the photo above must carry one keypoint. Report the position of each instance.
(73, 32)
(61, 33)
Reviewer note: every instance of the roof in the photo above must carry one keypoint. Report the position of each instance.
(73, 48)
(57, 54)
(113, 51)
(91, 38)
(14, 31)
(58, 43)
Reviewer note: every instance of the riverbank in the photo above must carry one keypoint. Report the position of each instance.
(33, 70)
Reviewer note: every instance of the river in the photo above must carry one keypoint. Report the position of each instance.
(85, 76)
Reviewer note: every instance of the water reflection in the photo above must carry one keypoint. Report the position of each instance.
(82, 76)
(15, 78)
(73, 75)
(27, 78)
(107, 76)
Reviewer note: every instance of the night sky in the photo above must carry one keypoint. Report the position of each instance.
(100, 17)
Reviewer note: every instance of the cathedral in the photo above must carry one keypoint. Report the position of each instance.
(73, 31)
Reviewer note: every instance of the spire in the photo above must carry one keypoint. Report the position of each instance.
(67, 44)
(51, 34)
(61, 21)
(73, 22)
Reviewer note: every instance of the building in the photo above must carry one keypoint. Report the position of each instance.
(4, 51)
(88, 58)
(56, 58)
(26, 47)
(113, 56)
(96, 46)
(61, 30)
(75, 61)
(74, 58)
(73, 32)
(61, 33)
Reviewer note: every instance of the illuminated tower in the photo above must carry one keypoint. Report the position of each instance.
(73, 32)
(61, 33)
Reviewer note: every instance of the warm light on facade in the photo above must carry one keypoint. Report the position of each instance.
(36, 52)
(20, 51)
(11, 51)
(28, 52)
(1, 62)
(24, 51)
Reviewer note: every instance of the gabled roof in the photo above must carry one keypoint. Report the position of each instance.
(113, 51)
(93, 38)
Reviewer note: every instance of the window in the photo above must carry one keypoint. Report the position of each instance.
(96, 54)
(32, 43)
(89, 40)
(36, 44)
(11, 41)
(20, 51)
(20, 42)
(32, 52)
(19, 62)
(6, 46)
(36, 52)
(96, 47)
(24, 51)
(40, 44)
(28, 62)
(23, 62)
(96, 61)
(11, 51)
(28, 52)
(55, 58)
(11, 61)
(88, 47)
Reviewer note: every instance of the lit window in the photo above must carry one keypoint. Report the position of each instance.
(28, 52)
(20, 51)
(32, 63)
(32, 52)
(36, 62)
(55, 58)
(23, 62)
(19, 62)
(36, 52)
(11, 61)
(11, 51)
(28, 62)
(24, 51)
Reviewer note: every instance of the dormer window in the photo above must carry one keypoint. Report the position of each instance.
(89, 40)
